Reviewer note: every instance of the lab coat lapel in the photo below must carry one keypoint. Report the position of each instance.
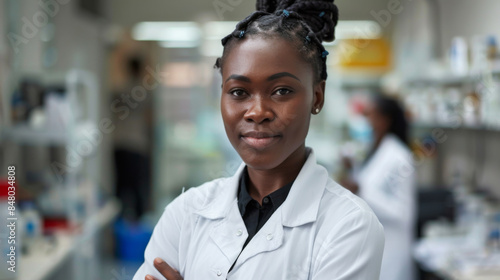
(229, 233)
(220, 201)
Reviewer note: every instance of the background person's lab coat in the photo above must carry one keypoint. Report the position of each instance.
(387, 183)
(322, 232)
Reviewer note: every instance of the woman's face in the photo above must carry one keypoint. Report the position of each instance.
(379, 122)
(268, 95)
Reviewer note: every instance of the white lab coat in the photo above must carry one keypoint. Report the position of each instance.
(321, 231)
(387, 183)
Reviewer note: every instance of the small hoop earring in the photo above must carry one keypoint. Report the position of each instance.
(317, 110)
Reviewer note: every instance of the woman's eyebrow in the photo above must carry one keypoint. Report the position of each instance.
(239, 78)
(282, 74)
(270, 78)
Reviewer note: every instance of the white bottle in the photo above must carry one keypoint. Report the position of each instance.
(32, 226)
(459, 56)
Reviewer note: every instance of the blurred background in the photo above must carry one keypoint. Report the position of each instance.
(110, 109)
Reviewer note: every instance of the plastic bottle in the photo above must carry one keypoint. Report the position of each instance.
(460, 194)
(459, 59)
(32, 226)
(492, 48)
(478, 232)
(494, 235)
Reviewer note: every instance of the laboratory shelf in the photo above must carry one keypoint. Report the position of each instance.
(26, 135)
(23, 134)
(447, 80)
(41, 263)
(451, 79)
(423, 125)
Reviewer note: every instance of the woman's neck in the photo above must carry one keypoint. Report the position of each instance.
(263, 182)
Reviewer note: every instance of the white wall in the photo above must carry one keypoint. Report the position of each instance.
(129, 12)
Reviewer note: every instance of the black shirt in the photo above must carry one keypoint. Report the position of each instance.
(254, 215)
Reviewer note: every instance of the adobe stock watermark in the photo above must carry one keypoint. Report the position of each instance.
(92, 137)
(384, 17)
(223, 6)
(229, 170)
(31, 26)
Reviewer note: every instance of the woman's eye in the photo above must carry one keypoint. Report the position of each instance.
(237, 92)
(283, 91)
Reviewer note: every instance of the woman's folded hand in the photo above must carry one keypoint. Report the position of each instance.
(165, 270)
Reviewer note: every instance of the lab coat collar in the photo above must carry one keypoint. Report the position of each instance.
(302, 204)
(300, 207)
(219, 202)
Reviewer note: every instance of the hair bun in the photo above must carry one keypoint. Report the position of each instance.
(320, 15)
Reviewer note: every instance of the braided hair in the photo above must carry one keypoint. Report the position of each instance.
(304, 23)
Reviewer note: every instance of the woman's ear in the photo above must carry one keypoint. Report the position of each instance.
(319, 97)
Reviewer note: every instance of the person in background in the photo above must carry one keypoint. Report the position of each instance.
(132, 143)
(386, 181)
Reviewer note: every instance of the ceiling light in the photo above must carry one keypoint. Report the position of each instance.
(172, 31)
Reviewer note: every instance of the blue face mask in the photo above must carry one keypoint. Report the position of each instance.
(361, 131)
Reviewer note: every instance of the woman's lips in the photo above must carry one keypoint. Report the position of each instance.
(260, 143)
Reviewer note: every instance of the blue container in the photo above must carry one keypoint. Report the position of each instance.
(131, 240)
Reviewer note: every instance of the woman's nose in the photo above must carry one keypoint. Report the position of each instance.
(259, 111)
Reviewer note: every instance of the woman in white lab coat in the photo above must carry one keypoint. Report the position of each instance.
(280, 216)
(386, 181)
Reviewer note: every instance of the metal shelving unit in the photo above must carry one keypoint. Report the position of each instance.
(81, 241)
